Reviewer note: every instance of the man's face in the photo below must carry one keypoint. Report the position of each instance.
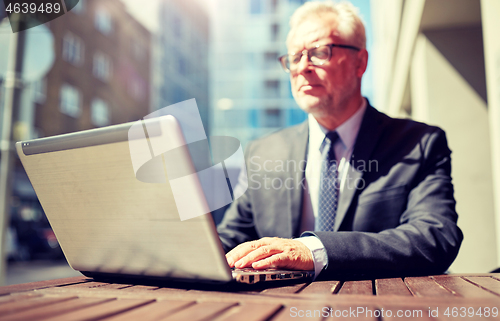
(325, 89)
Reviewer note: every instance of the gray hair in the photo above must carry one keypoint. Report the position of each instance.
(350, 25)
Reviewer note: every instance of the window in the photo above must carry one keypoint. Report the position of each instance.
(255, 7)
(138, 50)
(272, 118)
(181, 65)
(253, 118)
(275, 32)
(39, 91)
(137, 88)
(103, 21)
(177, 26)
(73, 49)
(271, 59)
(178, 61)
(272, 88)
(70, 101)
(99, 113)
(102, 66)
(196, 46)
(274, 6)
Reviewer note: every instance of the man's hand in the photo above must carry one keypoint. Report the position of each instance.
(270, 252)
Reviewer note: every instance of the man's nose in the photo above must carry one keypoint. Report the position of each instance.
(304, 63)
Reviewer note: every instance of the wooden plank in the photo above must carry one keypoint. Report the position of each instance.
(462, 287)
(424, 286)
(394, 286)
(488, 283)
(201, 311)
(251, 312)
(324, 287)
(86, 285)
(53, 309)
(18, 296)
(477, 274)
(153, 311)
(305, 311)
(285, 289)
(357, 287)
(21, 305)
(116, 286)
(40, 285)
(140, 288)
(102, 310)
(163, 290)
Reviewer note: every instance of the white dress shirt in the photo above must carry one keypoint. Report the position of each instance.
(348, 132)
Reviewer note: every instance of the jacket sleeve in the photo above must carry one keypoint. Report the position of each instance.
(238, 225)
(427, 239)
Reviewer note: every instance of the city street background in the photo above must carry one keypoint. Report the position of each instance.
(39, 270)
(108, 62)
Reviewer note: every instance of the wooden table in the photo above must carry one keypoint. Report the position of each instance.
(441, 297)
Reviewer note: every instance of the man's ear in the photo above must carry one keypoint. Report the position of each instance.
(362, 62)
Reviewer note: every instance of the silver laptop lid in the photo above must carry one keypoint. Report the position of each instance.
(108, 221)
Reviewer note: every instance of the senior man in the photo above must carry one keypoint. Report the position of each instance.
(350, 191)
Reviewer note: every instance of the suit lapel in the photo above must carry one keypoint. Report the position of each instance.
(298, 152)
(369, 134)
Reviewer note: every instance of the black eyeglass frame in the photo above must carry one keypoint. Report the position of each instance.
(284, 61)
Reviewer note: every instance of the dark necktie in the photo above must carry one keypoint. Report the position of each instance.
(329, 185)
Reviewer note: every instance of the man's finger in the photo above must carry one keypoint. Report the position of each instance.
(241, 251)
(256, 255)
(294, 256)
(273, 262)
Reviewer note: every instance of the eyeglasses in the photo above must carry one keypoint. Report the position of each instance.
(317, 56)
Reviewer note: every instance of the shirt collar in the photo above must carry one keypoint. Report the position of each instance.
(348, 130)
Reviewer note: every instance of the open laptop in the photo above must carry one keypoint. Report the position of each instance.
(109, 223)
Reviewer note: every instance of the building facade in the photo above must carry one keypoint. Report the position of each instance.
(101, 73)
(100, 76)
(182, 51)
(251, 93)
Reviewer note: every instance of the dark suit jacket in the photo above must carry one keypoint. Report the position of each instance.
(396, 214)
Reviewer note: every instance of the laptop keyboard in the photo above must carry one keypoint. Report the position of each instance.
(250, 275)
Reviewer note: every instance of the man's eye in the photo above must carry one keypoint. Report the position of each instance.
(295, 59)
(320, 53)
